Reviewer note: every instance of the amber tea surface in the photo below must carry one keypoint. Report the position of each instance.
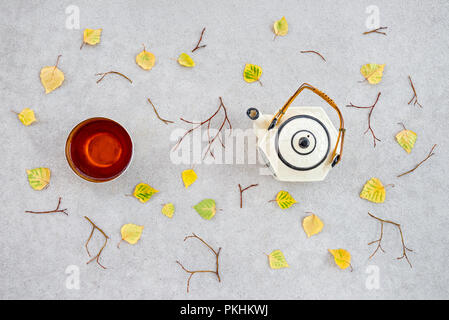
(99, 149)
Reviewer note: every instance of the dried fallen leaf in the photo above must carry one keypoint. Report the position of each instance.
(185, 60)
(51, 77)
(372, 72)
(312, 225)
(92, 36)
(206, 208)
(252, 73)
(131, 233)
(277, 260)
(342, 257)
(284, 200)
(39, 178)
(144, 192)
(26, 116)
(168, 210)
(189, 177)
(373, 191)
(280, 27)
(145, 59)
(406, 139)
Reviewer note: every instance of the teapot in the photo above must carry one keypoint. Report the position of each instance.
(296, 142)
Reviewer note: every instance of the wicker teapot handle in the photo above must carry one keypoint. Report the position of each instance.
(341, 131)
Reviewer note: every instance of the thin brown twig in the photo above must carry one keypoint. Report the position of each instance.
(242, 190)
(415, 96)
(377, 31)
(192, 272)
(199, 41)
(378, 241)
(312, 51)
(97, 256)
(369, 117)
(157, 114)
(51, 211)
(211, 140)
(114, 72)
(416, 167)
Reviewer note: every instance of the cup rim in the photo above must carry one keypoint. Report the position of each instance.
(68, 143)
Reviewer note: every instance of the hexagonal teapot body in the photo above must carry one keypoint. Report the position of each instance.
(300, 147)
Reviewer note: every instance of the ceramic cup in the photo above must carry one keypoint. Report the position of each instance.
(99, 149)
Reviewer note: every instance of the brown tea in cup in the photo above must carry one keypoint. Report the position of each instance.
(99, 149)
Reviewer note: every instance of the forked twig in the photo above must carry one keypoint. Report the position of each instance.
(199, 41)
(97, 256)
(377, 31)
(103, 74)
(378, 241)
(416, 167)
(241, 192)
(369, 117)
(312, 51)
(51, 211)
(192, 272)
(415, 96)
(211, 140)
(157, 114)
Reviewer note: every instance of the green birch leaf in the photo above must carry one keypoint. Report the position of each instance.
(252, 73)
(284, 200)
(144, 192)
(206, 208)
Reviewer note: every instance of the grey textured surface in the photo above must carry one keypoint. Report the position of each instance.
(36, 250)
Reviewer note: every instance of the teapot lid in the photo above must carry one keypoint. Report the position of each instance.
(302, 142)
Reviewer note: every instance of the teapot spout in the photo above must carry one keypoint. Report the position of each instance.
(252, 113)
(260, 121)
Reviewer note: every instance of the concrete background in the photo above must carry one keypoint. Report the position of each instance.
(36, 250)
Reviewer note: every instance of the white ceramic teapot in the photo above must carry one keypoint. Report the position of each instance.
(299, 143)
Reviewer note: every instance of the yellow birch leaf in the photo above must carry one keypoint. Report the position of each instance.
(284, 200)
(189, 177)
(168, 210)
(342, 257)
(277, 260)
(280, 27)
(39, 178)
(145, 59)
(144, 192)
(26, 116)
(131, 233)
(406, 139)
(252, 73)
(51, 78)
(185, 60)
(312, 225)
(92, 36)
(373, 191)
(372, 72)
